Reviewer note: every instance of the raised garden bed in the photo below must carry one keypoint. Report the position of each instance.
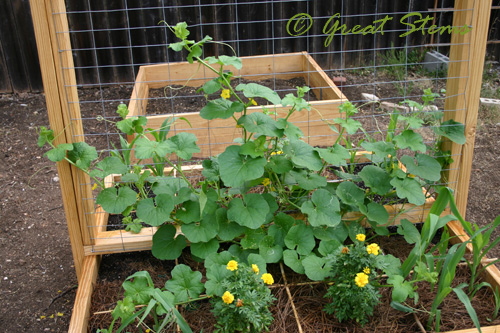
(215, 135)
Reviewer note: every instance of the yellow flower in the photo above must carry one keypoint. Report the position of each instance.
(225, 94)
(43, 317)
(361, 280)
(266, 181)
(94, 186)
(60, 314)
(228, 298)
(267, 278)
(252, 101)
(148, 330)
(373, 249)
(361, 237)
(366, 270)
(232, 265)
(279, 152)
(255, 268)
(411, 175)
(51, 316)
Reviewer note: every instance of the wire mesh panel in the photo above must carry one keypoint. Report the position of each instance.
(389, 59)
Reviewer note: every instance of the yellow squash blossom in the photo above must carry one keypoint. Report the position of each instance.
(279, 152)
(361, 280)
(225, 94)
(255, 268)
(361, 237)
(232, 265)
(252, 101)
(366, 270)
(266, 181)
(373, 249)
(228, 298)
(267, 278)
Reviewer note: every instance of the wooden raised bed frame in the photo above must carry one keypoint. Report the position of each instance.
(215, 135)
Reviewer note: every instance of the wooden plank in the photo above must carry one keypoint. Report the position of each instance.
(64, 66)
(194, 75)
(489, 329)
(118, 241)
(458, 73)
(83, 299)
(215, 135)
(479, 36)
(41, 24)
(316, 77)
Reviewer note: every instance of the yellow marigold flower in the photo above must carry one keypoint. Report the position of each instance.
(232, 265)
(361, 280)
(267, 278)
(225, 94)
(361, 237)
(279, 152)
(239, 303)
(373, 249)
(366, 270)
(255, 268)
(266, 181)
(228, 298)
(345, 250)
(252, 101)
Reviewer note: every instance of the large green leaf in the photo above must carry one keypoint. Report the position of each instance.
(155, 212)
(252, 90)
(327, 247)
(185, 284)
(228, 230)
(109, 165)
(335, 155)
(225, 61)
(261, 123)
(215, 278)
(269, 250)
(316, 268)
(303, 155)
(184, 145)
(165, 245)
(382, 149)
(204, 249)
(249, 213)
(236, 169)
(202, 231)
(252, 239)
(323, 209)
(290, 130)
(189, 212)
(220, 108)
(409, 189)
(144, 148)
(410, 139)
(339, 232)
(282, 224)
(350, 194)
(377, 179)
(292, 259)
(351, 126)
(426, 166)
(82, 155)
(401, 289)
(59, 153)
(308, 180)
(138, 287)
(300, 238)
(280, 164)
(452, 130)
(115, 201)
(377, 213)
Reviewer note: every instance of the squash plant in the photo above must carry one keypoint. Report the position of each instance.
(250, 189)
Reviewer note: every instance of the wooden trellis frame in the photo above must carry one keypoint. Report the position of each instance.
(52, 34)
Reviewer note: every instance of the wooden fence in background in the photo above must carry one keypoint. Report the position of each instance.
(103, 51)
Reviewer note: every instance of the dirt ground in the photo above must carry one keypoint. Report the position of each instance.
(37, 278)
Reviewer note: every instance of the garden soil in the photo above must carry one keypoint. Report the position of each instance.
(37, 277)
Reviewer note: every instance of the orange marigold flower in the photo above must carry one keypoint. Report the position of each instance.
(345, 250)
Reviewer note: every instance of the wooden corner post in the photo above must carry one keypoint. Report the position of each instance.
(59, 82)
(463, 89)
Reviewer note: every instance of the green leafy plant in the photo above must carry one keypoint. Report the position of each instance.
(244, 303)
(353, 275)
